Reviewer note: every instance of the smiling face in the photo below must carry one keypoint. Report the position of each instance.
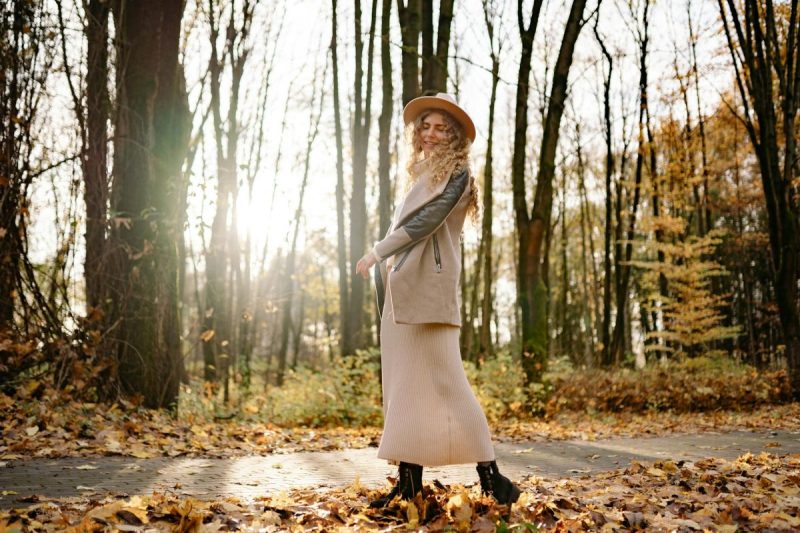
(433, 132)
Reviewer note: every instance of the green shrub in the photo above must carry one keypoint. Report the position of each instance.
(346, 392)
(499, 386)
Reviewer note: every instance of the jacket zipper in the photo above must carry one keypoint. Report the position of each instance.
(437, 257)
(402, 260)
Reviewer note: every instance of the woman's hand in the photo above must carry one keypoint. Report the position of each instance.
(365, 263)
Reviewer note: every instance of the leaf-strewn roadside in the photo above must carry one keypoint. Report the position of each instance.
(747, 494)
(48, 427)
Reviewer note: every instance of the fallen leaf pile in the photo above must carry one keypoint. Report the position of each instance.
(690, 386)
(589, 427)
(751, 493)
(50, 428)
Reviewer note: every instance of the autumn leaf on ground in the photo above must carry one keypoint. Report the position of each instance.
(752, 492)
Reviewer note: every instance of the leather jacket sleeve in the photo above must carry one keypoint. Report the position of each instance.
(426, 220)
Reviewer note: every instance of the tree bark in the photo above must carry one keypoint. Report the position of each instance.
(707, 220)
(534, 230)
(589, 290)
(96, 155)
(485, 348)
(357, 334)
(409, 13)
(761, 66)
(525, 293)
(341, 240)
(151, 138)
(605, 334)
(223, 254)
(289, 269)
(15, 17)
(385, 124)
(434, 61)
(618, 339)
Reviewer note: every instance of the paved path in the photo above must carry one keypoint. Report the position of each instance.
(247, 477)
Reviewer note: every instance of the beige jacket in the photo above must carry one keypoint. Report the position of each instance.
(421, 253)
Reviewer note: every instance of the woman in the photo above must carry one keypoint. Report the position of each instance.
(431, 416)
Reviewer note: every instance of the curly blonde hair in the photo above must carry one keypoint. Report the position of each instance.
(449, 158)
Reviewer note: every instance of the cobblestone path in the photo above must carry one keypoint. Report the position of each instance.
(248, 477)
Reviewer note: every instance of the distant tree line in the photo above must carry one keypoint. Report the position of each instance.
(677, 231)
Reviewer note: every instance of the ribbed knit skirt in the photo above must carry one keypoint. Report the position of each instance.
(431, 415)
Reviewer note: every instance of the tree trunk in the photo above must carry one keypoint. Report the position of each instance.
(434, 62)
(605, 334)
(289, 284)
(341, 240)
(618, 339)
(562, 316)
(757, 64)
(289, 270)
(357, 334)
(151, 139)
(215, 321)
(409, 16)
(96, 155)
(385, 124)
(485, 348)
(707, 222)
(534, 231)
(589, 291)
(525, 293)
(15, 18)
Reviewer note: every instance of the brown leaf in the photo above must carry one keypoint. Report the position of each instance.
(128, 517)
(634, 520)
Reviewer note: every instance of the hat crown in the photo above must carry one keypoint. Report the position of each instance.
(443, 102)
(448, 97)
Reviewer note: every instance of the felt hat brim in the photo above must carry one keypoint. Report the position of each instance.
(443, 102)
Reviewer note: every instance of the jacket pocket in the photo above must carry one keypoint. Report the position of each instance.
(402, 260)
(436, 255)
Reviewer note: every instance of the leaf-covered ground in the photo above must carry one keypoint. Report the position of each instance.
(50, 428)
(751, 493)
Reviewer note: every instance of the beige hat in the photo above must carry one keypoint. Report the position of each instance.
(444, 102)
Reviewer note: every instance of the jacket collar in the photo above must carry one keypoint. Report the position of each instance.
(420, 193)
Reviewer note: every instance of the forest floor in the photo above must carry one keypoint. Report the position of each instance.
(723, 471)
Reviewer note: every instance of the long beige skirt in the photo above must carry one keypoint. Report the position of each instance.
(431, 415)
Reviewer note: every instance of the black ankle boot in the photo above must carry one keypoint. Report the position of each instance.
(495, 484)
(409, 484)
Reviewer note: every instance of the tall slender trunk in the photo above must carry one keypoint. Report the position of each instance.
(434, 61)
(341, 248)
(687, 155)
(618, 339)
(655, 182)
(562, 317)
(605, 333)
(409, 13)
(362, 119)
(96, 155)
(526, 295)
(288, 282)
(589, 294)
(223, 253)
(385, 123)
(485, 348)
(248, 300)
(534, 231)
(384, 132)
(708, 222)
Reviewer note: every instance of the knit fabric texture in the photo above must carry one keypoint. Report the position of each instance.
(431, 415)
